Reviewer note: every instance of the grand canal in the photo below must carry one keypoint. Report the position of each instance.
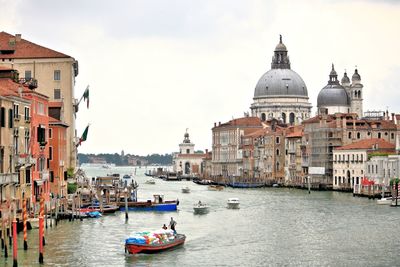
(274, 226)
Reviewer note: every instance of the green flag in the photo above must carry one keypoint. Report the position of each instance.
(83, 137)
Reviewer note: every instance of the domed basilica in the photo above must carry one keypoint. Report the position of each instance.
(280, 92)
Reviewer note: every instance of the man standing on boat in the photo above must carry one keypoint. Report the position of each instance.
(172, 224)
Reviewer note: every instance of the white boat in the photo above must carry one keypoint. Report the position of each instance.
(387, 200)
(151, 181)
(200, 208)
(233, 203)
(186, 190)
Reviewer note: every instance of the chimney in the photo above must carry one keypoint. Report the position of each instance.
(219, 123)
(18, 37)
(206, 151)
(215, 124)
(393, 117)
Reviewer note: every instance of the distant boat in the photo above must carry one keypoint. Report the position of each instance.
(386, 200)
(158, 204)
(246, 185)
(186, 190)
(233, 203)
(151, 181)
(215, 187)
(127, 176)
(200, 208)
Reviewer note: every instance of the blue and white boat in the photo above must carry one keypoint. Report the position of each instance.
(157, 204)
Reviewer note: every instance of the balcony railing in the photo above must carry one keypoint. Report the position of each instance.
(8, 178)
(31, 83)
(17, 117)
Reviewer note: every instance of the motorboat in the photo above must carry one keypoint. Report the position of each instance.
(186, 190)
(215, 187)
(387, 200)
(151, 181)
(146, 242)
(233, 203)
(157, 204)
(127, 176)
(200, 208)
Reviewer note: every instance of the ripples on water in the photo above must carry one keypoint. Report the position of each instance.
(274, 226)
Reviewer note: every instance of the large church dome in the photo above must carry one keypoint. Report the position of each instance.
(333, 94)
(280, 82)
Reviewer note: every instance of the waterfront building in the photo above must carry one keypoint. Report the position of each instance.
(350, 161)
(14, 138)
(55, 73)
(294, 175)
(57, 151)
(187, 162)
(39, 145)
(382, 167)
(227, 158)
(325, 132)
(280, 92)
(341, 98)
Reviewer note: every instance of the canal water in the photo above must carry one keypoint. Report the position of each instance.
(274, 226)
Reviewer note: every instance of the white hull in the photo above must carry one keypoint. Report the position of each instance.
(387, 201)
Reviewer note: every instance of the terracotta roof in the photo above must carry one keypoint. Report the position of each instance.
(9, 87)
(368, 144)
(245, 121)
(25, 49)
(257, 133)
(318, 118)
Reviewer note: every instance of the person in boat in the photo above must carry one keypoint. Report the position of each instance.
(199, 203)
(164, 227)
(172, 225)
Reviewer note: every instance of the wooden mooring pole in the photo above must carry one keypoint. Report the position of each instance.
(41, 229)
(24, 220)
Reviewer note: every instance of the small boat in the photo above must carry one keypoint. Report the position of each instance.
(387, 200)
(127, 176)
(275, 185)
(233, 203)
(215, 187)
(151, 181)
(186, 190)
(133, 245)
(93, 214)
(200, 208)
(158, 204)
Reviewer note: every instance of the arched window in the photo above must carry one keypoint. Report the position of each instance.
(291, 118)
(277, 152)
(379, 135)
(349, 135)
(392, 135)
(277, 166)
(359, 94)
(284, 117)
(263, 117)
(358, 135)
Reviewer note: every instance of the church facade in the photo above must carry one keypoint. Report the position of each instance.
(280, 92)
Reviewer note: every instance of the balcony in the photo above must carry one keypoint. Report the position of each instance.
(45, 175)
(28, 119)
(8, 178)
(17, 117)
(30, 82)
(23, 159)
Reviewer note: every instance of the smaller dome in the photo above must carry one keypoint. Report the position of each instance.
(280, 47)
(356, 76)
(345, 78)
(333, 95)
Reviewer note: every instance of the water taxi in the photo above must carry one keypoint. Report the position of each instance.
(233, 203)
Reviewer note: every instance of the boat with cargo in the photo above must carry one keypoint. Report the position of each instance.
(148, 243)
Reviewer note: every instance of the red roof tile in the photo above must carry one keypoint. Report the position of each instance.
(368, 144)
(245, 121)
(9, 87)
(55, 104)
(25, 49)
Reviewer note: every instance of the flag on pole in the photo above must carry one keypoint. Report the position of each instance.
(86, 96)
(83, 137)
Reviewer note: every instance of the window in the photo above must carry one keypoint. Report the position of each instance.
(277, 139)
(392, 135)
(358, 135)
(263, 118)
(10, 118)
(40, 109)
(51, 174)
(50, 153)
(26, 140)
(3, 117)
(277, 152)
(57, 75)
(16, 111)
(50, 133)
(57, 94)
(379, 135)
(41, 134)
(187, 151)
(349, 135)
(27, 114)
(28, 75)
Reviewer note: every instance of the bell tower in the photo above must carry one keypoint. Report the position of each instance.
(356, 93)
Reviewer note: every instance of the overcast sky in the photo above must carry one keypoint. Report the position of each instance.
(156, 68)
